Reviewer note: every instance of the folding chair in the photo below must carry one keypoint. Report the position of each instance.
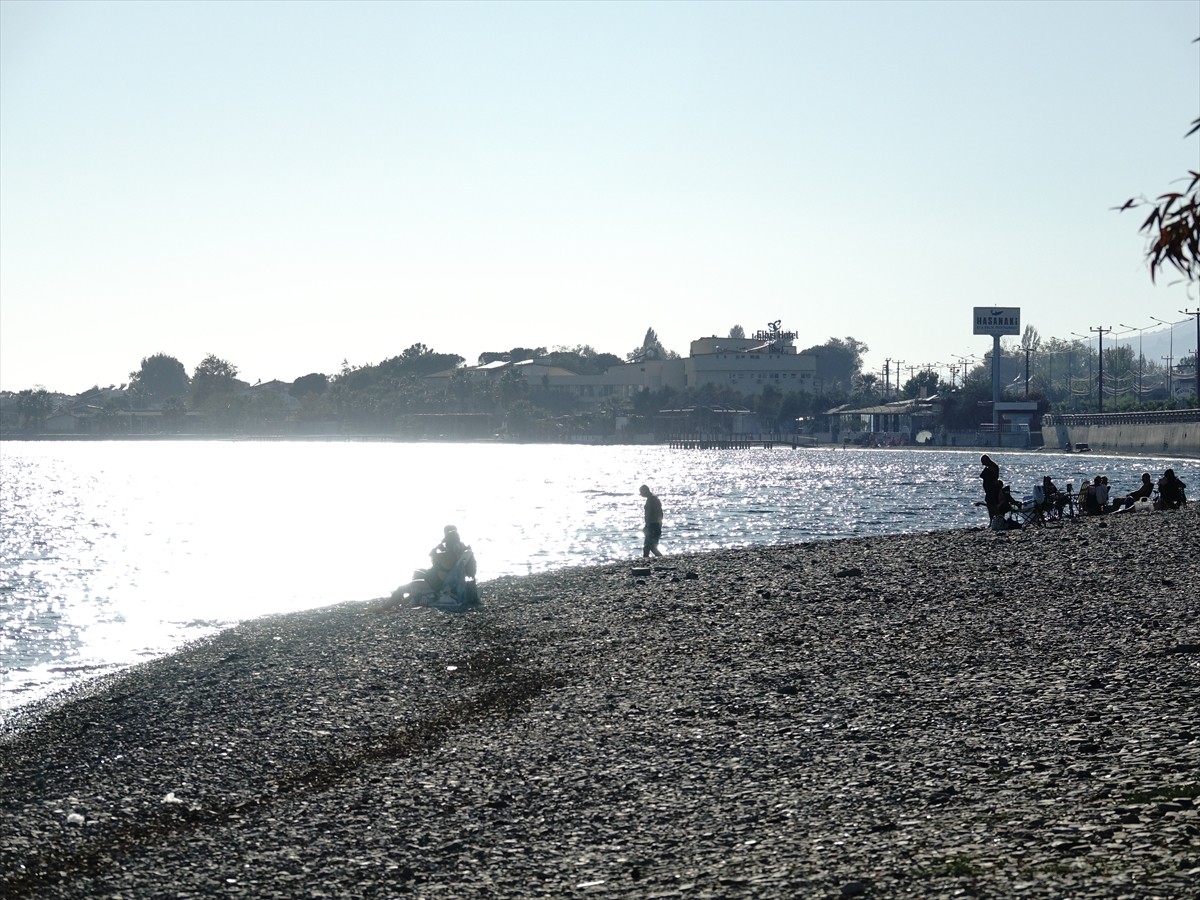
(1032, 508)
(1065, 509)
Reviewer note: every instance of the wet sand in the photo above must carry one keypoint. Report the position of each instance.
(993, 714)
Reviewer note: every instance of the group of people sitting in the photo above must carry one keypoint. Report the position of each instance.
(1094, 498)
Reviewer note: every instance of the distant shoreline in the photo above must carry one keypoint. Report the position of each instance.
(781, 443)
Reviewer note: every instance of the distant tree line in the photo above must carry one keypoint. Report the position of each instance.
(384, 397)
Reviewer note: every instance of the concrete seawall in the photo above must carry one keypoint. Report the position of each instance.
(1168, 439)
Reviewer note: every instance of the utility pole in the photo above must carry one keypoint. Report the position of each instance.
(887, 375)
(962, 362)
(1027, 351)
(1100, 331)
(996, 354)
(1070, 359)
(1196, 352)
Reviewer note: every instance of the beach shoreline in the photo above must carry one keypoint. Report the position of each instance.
(1000, 713)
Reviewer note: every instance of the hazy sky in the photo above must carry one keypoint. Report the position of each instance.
(291, 185)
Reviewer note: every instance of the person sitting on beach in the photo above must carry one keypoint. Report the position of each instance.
(1095, 501)
(1142, 492)
(443, 558)
(1081, 497)
(1170, 491)
(1005, 505)
(1052, 497)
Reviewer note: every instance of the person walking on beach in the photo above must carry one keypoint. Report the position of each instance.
(653, 526)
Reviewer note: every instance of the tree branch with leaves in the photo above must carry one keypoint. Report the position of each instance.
(1173, 226)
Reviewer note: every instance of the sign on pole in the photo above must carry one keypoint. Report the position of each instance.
(997, 320)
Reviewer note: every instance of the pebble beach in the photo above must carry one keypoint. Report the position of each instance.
(962, 713)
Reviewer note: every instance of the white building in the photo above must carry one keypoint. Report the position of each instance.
(746, 365)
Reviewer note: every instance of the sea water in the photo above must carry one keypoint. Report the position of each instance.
(116, 552)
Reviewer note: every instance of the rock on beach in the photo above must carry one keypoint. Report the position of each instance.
(954, 713)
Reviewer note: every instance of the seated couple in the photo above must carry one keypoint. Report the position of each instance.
(448, 584)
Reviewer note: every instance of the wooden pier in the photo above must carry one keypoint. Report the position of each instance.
(740, 442)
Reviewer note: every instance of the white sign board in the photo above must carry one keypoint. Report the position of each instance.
(997, 320)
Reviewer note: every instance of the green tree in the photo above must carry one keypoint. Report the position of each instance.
(582, 360)
(34, 406)
(510, 388)
(651, 348)
(970, 405)
(553, 401)
(612, 406)
(225, 410)
(268, 413)
(520, 418)
(211, 377)
(420, 360)
(737, 332)
(839, 362)
(768, 404)
(647, 403)
(926, 380)
(867, 385)
(1120, 371)
(174, 414)
(159, 378)
(109, 420)
(314, 383)
(1030, 338)
(796, 404)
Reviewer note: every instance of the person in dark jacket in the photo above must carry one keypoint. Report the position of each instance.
(654, 519)
(1170, 491)
(991, 486)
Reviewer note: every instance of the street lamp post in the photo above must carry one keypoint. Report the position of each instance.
(1170, 357)
(1141, 359)
(1050, 376)
(1070, 371)
(1090, 369)
(1100, 332)
(1117, 344)
(1196, 313)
